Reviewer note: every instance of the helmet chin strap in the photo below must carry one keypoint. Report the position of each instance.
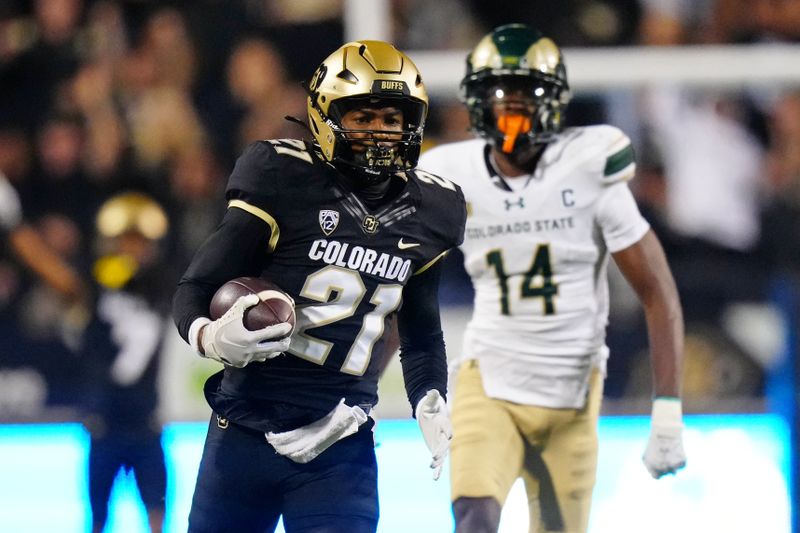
(358, 170)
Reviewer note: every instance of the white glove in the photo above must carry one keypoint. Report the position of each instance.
(434, 421)
(664, 453)
(228, 341)
(305, 443)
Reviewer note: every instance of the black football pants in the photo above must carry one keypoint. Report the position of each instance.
(245, 486)
(137, 450)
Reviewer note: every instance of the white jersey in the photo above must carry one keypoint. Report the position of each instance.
(537, 248)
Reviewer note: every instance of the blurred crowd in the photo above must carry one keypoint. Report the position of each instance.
(103, 96)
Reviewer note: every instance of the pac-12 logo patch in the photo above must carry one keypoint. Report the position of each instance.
(328, 220)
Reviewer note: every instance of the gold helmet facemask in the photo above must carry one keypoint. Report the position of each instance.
(367, 74)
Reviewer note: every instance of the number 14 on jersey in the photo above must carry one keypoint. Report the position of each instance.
(537, 282)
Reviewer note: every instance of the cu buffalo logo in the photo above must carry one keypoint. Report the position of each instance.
(328, 220)
(317, 78)
(370, 224)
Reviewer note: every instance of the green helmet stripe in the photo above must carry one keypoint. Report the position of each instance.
(513, 41)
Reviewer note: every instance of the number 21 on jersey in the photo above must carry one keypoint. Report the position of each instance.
(537, 282)
(347, 289)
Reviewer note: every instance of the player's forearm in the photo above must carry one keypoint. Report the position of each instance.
(189, 303)
(665, 332)
(422, 352)
(33, 251)
(424, 368)
(645, 267)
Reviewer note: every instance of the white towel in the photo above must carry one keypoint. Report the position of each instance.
(303, 444)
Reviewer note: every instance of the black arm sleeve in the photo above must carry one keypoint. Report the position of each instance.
(422, 353)
(237, 248)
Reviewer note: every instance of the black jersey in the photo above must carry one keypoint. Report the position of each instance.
(119, 350)
(346, 266)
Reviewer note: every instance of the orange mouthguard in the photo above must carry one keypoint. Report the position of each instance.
(512, 126)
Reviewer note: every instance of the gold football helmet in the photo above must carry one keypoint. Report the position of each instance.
(367, 74)
(515, 88)
(132, 212)
(129, 229)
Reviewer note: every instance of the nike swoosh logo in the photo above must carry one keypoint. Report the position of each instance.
(405, 245)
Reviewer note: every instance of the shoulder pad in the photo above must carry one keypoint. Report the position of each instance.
(266, 168)
(253, 171)
(617, 153)
(430, 182)
(444, 206)
(605, 152)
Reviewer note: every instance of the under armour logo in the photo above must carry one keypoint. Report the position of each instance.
(519, 203)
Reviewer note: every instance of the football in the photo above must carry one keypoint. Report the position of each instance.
(275, 306)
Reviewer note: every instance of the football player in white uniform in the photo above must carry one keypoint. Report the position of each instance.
(546, 208)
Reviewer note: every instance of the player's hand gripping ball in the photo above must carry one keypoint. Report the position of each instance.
(274, 305)
(252, 321)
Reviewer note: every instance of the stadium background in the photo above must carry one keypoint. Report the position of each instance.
(102, 96)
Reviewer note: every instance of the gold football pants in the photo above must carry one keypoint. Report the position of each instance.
(553, 450)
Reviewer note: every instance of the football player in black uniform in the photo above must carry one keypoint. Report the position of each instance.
(119, 345)
(351, 231)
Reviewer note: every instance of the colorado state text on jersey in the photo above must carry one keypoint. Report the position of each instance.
(525, 226)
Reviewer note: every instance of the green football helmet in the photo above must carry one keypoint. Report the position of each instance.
(515, 88)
